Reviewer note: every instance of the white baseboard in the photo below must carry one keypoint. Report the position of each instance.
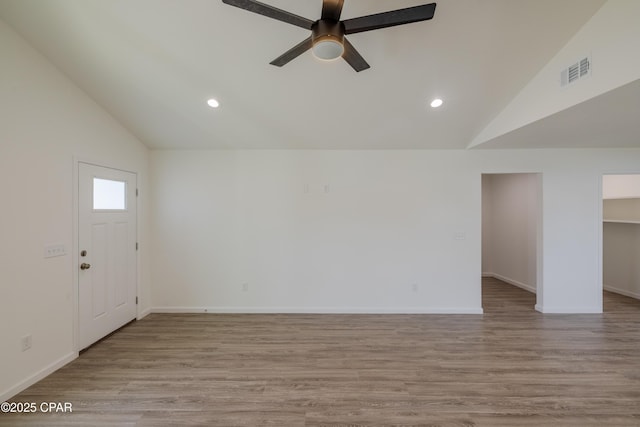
(568, 310)
(624, 292)
(319, 310)
(520, 285)
(144, 314)
(22, 385)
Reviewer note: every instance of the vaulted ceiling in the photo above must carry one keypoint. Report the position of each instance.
(154, 63)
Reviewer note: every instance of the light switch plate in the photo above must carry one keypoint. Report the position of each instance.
(54, 250)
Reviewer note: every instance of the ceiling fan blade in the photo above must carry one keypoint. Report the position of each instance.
(389, 19)
(271, 12)
(293, 53)
(331, 9)
(353, 58)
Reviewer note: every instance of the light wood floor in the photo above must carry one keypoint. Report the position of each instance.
(511, 366)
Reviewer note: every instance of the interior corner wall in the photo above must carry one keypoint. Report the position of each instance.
(510, 228)
(45, 120)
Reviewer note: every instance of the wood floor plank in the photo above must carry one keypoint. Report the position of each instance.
(511, 366)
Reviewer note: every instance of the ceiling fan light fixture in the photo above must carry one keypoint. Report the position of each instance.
(328, 49)
(327, 37)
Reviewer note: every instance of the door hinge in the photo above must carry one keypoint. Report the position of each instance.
(136, 300)
(136, 192)
(136, 246)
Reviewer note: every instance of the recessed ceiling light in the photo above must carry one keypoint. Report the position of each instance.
(436, 103)
(213, 103)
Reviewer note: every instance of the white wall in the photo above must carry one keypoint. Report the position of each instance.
(44, 122)
(510, 204)
(390, 219)
(315, 231)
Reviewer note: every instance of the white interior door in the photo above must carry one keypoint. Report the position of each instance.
(107, 251)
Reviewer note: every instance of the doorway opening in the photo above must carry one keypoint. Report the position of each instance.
(620, 239)
(511, 238)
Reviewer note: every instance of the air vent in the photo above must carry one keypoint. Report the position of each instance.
(575, 72)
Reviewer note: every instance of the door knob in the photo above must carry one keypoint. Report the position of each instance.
(85, 266)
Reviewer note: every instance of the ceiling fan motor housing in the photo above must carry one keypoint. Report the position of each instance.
(328, 39)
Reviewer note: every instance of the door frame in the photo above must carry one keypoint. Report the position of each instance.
(76, 244)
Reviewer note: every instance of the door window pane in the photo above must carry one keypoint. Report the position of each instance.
(109, 195)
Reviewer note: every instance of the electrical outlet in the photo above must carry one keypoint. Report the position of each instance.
(54, 250)
(26, 342)
(245, 287)
(459, 235)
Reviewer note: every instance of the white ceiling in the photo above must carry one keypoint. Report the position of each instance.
(153, 64)
(611, 119)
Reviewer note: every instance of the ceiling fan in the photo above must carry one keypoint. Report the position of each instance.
(327, 39)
